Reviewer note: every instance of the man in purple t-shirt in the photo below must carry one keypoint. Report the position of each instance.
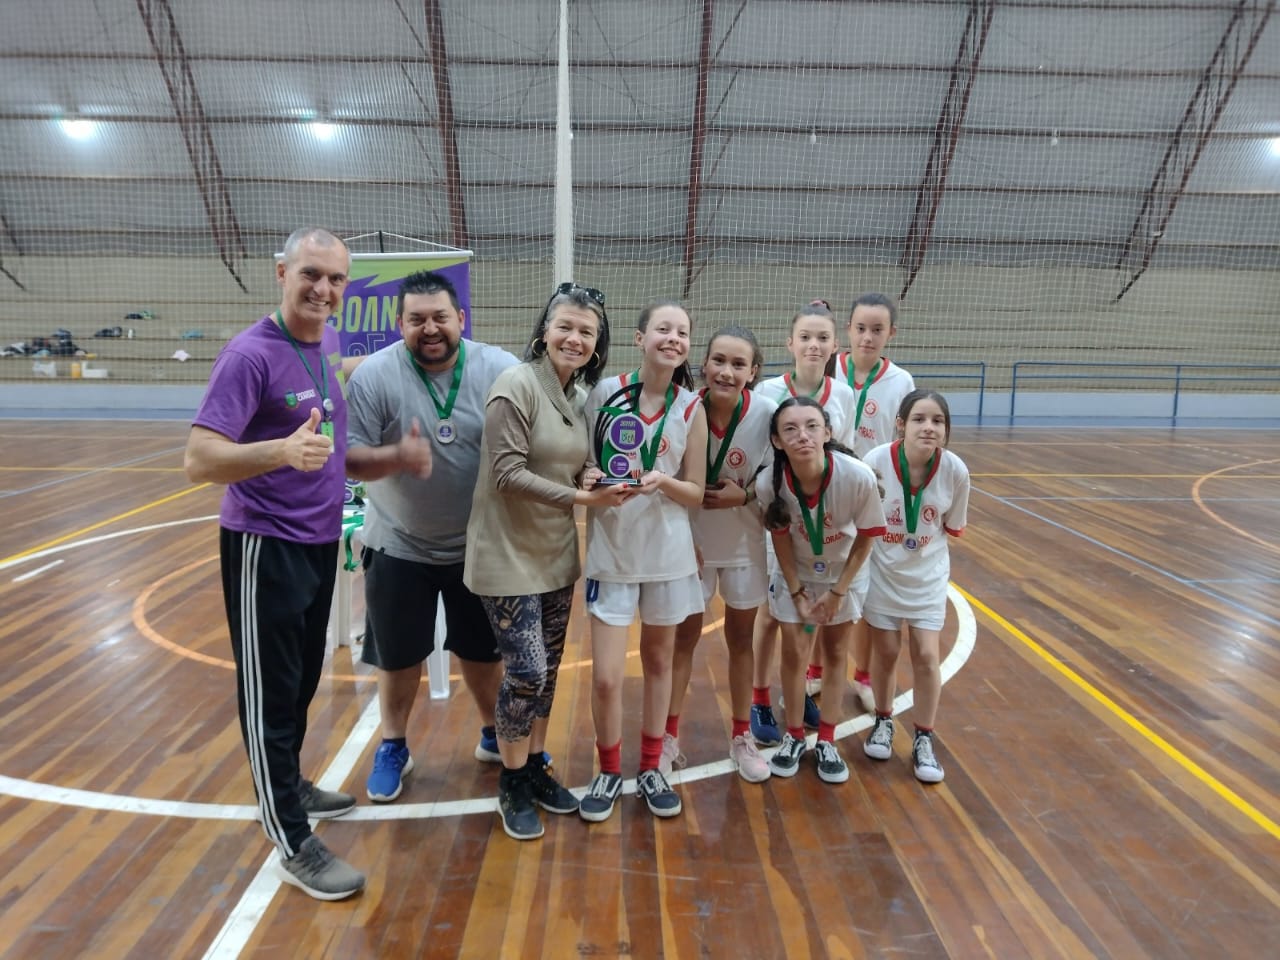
(273, 427)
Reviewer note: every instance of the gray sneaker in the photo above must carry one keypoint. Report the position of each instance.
(879, 746)
(324, 804)
(927, 767)
(653, 789)
(315, 870)
(831, 766)
(786, 759)
(598, 803)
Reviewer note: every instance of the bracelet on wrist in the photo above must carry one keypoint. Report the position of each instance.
(796, 592)
(837, 593)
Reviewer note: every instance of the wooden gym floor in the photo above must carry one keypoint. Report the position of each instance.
(1110, 738)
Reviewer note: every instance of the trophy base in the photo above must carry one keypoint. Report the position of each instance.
(618, 482)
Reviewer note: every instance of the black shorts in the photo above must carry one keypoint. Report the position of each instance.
(401, 598)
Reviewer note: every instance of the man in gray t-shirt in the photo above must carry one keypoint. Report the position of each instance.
(415, 418)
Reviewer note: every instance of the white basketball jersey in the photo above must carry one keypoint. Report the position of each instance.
(836, 397)
(649, 537)
(910, 582)
(850, 506)
(880, 410)
(734, 537)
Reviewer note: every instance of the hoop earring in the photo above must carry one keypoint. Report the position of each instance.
(533, 347)
(595, 362)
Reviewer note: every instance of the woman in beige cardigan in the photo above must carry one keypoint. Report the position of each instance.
(522, 541)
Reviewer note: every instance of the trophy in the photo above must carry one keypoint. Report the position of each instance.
(619, 436)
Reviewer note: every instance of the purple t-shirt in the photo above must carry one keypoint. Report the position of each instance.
(260, 390)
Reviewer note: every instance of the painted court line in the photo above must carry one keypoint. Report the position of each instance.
(82, 472)
(30, 574)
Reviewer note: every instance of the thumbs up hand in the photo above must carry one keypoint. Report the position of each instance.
(414, 452)
(305, 449)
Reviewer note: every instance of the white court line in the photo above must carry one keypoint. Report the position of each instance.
(74, 544)
(36, 572)
(246, 914)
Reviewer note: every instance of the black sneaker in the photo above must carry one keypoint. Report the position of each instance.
(879, 746)
(653, 789)
(515, 805)
(315, 869)
(548, 793)
(786, 760)
(831, 766)
(927, 767)
(324, 804)
(597, 805)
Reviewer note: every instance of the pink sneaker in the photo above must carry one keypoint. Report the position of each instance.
(866, 696)
(671, 755)
(752, 767)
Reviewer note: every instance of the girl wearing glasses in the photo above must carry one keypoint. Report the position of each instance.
(726, 530)
(522, 542)
(812, 344)
(650, 431)
(823, 514)
(926, 501)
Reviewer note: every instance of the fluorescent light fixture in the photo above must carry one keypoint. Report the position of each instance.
(77, 128)
(1275, 146)
(322, 130)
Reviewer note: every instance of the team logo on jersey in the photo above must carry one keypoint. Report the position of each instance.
(735, 458)
(663, 447)
(930, 514)
(290, 399)
(869, 408)
(895, 516)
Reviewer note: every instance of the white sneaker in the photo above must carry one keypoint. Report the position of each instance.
(866, 696)
(927, 767)
(752, 767)
(671, 755)
(879, 746)
(812, 685)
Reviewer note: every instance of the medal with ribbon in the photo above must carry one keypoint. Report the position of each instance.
(814, 520)
(714, 467)
(912, 501)
(445, 431)
(862, 391)
(321, 383)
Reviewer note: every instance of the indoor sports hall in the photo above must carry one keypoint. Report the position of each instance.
(1074, 204)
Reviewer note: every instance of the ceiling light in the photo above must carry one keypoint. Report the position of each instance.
(77, 128)
(322, 130)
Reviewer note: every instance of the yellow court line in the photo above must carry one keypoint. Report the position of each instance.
(101, 523)
(1113, 476)
(86, 470)
(1172, 752)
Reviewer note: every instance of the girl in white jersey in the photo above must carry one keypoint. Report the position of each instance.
(728, 536)
(879, 387)
(926, 500)
(812, 344)
(641, 554)
(824, 512)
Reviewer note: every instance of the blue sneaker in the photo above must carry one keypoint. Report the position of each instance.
(812, 715)
(764, 728)
(391, 764)
(487, 748)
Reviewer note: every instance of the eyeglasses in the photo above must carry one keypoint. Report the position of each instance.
(569, 287)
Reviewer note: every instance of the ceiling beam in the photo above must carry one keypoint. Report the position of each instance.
(1199, 119)
(187, 106)
(697, 146)
(448, 134)
(945, 136)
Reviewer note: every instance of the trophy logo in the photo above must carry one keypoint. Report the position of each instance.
(619, 435)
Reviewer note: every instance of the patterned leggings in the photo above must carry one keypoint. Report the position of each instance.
(530, 630)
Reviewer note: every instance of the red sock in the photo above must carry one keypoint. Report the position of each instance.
(673, 724)
(760, 697)
(862, 676)
(610, 758)
(920, 729)
(887, 714)
(740, 727)
(797, 733)
(814, 672)
(650, 752)
(826, 731)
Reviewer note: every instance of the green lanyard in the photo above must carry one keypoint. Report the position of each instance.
(789, 379)
(862, 394)
(442, 409)
(713, 469)
(321, 383)
(649, 451)
(813, 524)
(910, 502)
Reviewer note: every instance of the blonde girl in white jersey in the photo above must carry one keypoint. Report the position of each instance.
(879, 386)
(728, 535)
(812, 344)
(641, 554)
(824, 512)
(926, 501)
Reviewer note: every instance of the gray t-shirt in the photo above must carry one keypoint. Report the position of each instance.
(409, 518)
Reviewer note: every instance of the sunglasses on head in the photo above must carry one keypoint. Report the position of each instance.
(569, 287)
